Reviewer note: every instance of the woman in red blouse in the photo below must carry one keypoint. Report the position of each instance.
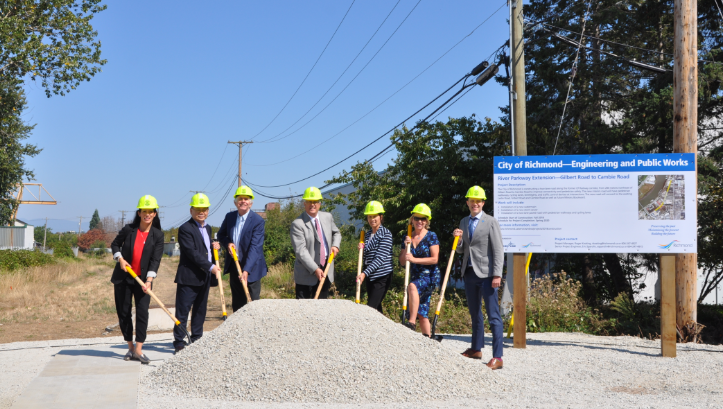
(140, 246)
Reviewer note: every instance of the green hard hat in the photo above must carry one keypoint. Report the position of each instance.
(244, 191)
(147, 202)
(476, 192)
(312, 193)
(200, 200)
(423, 209)
(373, 207)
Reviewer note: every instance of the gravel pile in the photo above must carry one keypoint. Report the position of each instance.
(330, 351)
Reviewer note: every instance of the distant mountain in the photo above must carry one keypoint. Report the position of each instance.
(59, 225)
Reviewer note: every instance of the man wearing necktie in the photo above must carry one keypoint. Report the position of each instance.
(313, 235)
(481, 243)
(244, 231)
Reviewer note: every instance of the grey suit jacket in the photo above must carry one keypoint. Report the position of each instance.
(485, 247)
(307, 245)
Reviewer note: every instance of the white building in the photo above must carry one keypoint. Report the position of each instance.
(20, 236)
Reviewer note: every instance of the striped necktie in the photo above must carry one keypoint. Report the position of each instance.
(322, 250)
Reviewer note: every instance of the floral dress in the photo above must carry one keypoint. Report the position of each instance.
(425, 277)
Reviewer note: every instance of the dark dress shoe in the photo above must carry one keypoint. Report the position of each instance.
(494, 363)
(412, 326)
(471, 353)
(179, 348)
(467, 352)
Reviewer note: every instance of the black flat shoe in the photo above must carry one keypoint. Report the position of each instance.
(412, 326)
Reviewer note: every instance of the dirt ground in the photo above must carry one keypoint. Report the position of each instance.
(49, 321)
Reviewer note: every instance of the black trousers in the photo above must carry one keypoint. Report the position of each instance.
(188, 296)
(124, 294)
(238, 296)
(309, 291)
(377, 290)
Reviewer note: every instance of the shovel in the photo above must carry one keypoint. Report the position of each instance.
(406, 276)
(178, 323)
(220, 284)
(323, 277)
(441, 292)
(240, 274)
(359, 266)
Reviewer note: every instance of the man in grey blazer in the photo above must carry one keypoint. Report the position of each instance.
(313, 236)
(481, 243)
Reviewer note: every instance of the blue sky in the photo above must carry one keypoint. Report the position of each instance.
(183, 78)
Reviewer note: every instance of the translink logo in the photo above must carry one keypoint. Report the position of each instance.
(667, 246)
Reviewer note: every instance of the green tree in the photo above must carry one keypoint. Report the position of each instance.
(436, 165)
(51, 41)
(12, 149)
(95, 221)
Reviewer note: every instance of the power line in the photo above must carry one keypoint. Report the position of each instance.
(395, 92)
(375, 140)
(574, 72)
(309, 73)
(338, 78)
(352, 80)
(719, 10)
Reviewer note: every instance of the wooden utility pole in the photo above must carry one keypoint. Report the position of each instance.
(519, 139)
(685, 140)
(123, 217)
(240, 146)
(79, 222)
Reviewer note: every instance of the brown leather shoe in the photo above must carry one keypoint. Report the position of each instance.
(474, 354)
(467, 352)
(494, 363)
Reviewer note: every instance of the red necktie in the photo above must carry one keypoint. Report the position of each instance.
(322, 251)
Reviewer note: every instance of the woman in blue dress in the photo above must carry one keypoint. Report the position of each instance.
(424, 273)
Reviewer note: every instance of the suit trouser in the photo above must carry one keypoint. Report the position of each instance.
(478, 289)
(238, 295)
(309, 291)
(377, 290)
(188, 296)
(124, 294)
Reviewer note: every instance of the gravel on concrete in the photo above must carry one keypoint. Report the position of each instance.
(332, 351)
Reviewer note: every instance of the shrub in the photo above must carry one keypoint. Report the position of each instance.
(16, 259)
(63, 250)
(555, 305)
(92, 237)
(277, 242)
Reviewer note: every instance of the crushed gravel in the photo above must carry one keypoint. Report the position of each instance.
(326, 351)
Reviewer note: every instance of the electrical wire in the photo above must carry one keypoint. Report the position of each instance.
(219, 164)
(719, 10)
(375, 140)
(572, 77)
(383, 151)
(353, 79)
(395, 92)
(269, 140)
(308, 73)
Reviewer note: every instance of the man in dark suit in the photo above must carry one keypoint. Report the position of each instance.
(313, 236)
(196, 269)
(244, 231)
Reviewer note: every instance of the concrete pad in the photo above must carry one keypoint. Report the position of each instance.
(91, 377)
(158, 320)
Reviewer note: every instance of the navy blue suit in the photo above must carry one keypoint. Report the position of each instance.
(193, 280)
(250, 252)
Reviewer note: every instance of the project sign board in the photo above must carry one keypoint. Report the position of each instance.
(597, 203)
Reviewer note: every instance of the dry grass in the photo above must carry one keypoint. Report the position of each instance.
(65, 291)
(279, 282)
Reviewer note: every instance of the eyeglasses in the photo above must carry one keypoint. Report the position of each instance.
(419, 219)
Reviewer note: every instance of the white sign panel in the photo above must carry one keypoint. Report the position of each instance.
(597, 203)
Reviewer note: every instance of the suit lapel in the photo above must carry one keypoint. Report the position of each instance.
(133, 239)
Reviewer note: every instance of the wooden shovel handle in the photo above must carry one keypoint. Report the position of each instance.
(406, 269)
(323, 277)
(135, 276)
(446, 275)
(219, 276)
(240, 274)
(359, 267)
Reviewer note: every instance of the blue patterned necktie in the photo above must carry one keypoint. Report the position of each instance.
(472, 226)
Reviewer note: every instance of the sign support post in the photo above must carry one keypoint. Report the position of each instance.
(667, 305)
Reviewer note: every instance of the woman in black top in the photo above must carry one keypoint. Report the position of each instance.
(139, 245)
(377, 256)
